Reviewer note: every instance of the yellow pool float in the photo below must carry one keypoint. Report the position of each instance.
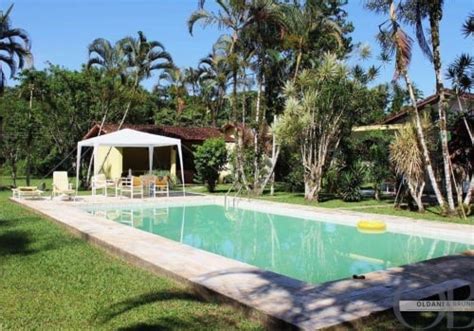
(366, 226)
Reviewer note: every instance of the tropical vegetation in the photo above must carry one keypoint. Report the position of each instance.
(288, 78)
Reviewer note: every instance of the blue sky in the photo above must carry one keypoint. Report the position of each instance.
(62, 29)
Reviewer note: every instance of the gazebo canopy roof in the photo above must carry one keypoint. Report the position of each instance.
(130, 138)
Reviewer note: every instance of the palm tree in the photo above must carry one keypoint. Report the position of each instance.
(262, 40)
(461, 74)
(395, 42)
(300, 24)
(176, 84)
(142, 58)
(109, 59)
(191, 78)
(15, 48)
(414, 12)
(232, 15)
(435, 14)
(105, 55)
(215, 74)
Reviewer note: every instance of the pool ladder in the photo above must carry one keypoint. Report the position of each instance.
(234, 196)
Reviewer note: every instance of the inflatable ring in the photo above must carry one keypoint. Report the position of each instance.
(371, 226)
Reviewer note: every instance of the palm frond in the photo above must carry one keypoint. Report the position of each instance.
(10, 62)
(202, 16)
(468, 26)
(403, 43)
(420, 35)
(406, 154)
(95, 61)
(159, 55)
(461, 73)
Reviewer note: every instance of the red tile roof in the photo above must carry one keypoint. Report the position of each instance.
(183, 133)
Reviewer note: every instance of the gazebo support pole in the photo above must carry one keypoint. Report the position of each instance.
(78, 165)
(96, 158)
(181, 165)
(150, 159)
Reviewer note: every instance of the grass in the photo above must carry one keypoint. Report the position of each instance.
(367, 205)
(52, 280)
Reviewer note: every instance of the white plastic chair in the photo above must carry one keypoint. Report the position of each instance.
(61, 185)
(100, 182)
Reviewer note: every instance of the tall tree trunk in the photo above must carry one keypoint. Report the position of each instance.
(466, 124)
(442, 104)
(313, 185)
(256, 170)
(470, 192)
(89, 168)
(271, 173)
(424, 147)
(274, 158)
(234, 95)
(239, 158)
(313, 161)
(122, 121)
(29, 139)
(213, 116)
(239, 136)
(417, 193)
(297, 66)
(13, 162)
(467, 199)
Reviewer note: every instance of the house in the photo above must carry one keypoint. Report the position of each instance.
(428, 105)
(460, 145)
(116, 162)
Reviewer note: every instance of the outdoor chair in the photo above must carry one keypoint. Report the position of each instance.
(161, 186)
(148, 184)
(61, 185)
(27, 192)
(133, 186)
(100, 182)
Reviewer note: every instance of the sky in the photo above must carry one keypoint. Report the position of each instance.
(61, 30)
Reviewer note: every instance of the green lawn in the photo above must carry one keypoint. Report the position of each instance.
(52, 280)
(368, 205)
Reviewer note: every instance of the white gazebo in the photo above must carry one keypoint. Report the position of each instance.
(129, 138)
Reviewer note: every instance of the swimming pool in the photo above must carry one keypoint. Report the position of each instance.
(311, 250)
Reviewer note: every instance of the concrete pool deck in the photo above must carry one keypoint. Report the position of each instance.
(276, 298)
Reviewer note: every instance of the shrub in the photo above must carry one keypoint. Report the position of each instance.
(351, 182)
(294, 181)
(209, 159)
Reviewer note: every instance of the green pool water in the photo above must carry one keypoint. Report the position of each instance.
(309, 250)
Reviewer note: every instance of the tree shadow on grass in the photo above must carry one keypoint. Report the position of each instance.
(173, 323)
(125, 306)
(6, 223)
(15, 243)
(18, 242)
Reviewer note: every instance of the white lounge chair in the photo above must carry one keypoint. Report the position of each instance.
(132, 186)
(61, 185)
(27, 192)
(100, 182)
